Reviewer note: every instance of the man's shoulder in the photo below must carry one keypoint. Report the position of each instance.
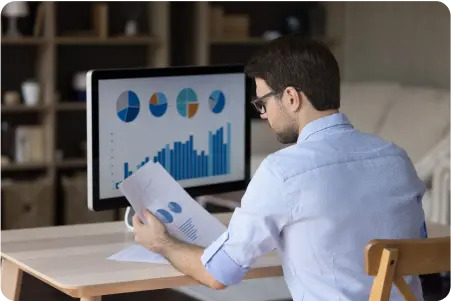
(294, 160)
(299, 158)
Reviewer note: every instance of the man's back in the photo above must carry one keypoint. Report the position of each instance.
(343, 188)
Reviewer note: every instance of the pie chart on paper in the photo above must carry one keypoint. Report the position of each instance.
(187, 103)
(158, 104)
(216, 101)
(127, 106)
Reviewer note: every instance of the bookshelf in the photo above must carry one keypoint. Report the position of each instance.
(210, 48)
(67, 44)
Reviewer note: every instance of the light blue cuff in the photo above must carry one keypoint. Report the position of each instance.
(220, 265)
(224, 269)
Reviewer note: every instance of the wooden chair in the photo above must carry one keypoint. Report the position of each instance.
(390, 260)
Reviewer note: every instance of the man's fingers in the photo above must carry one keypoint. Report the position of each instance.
(136, 222)
(148, 216)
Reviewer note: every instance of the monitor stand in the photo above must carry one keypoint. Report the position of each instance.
(128, 218)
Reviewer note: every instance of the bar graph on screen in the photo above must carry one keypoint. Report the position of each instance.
(184, 162)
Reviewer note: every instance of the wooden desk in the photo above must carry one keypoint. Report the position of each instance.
(73, 260)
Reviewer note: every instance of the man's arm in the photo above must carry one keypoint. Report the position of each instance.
(184, 257)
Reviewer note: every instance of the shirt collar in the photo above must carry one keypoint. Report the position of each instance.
(322, 124)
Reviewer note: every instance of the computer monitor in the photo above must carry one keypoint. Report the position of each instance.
(194, 121)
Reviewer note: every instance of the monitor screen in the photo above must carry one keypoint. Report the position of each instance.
(192, 121)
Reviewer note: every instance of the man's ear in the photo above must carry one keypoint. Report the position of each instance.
(294, 98)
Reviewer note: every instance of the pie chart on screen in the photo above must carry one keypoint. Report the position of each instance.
(187, 103)
(158, 104)
(127, 106)
(216, 101)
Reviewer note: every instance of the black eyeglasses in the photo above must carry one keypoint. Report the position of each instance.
(259, 103)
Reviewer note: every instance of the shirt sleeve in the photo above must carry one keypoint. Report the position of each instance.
(254, 229)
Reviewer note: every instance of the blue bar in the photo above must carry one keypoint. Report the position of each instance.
(191, 158)
(210, 154)
(179, 160)
(168, 158)
(125, 170)
(203, 160)
(155, 159)
(159, 157)
(229, 142)
(221, 153)
(206, 166)
(215, 152)
(195, 169)
(224, 156)
(176, 160)
(218, 151)
(171, 167)
(183, 161)
(130, 173)
(163, 158)
(187, 158)
(203, 164)
(200, 170)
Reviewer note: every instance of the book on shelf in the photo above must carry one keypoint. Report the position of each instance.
(100, 19)
(235, 26)
(39, 21)
(216, 14)
(29, 144)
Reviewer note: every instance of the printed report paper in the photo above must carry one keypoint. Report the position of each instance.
(152, 187)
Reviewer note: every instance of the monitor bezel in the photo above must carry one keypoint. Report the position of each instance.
(95, 203)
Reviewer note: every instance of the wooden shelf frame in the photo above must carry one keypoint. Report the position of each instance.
(157, 54)
(203, 42)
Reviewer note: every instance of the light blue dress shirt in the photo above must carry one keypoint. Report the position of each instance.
(319, 202)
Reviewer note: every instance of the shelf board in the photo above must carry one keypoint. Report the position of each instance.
(24, 166)
(23, 41)
(72, 163)
(71, 106)
(140, 40)
(239, 41)
(23, 109)
(260, 41)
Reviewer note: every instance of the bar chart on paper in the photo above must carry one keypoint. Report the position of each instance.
(184, 162)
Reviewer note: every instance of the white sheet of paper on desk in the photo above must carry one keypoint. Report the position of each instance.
(152, 187)
(137, 253)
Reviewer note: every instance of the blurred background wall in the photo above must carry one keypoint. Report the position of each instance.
(407, 42)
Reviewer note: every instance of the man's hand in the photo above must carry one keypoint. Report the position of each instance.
(184, 257)
(152, 236)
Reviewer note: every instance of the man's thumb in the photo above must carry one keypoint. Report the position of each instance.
(147, 215)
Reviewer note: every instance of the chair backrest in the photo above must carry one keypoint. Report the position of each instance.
(390, 260)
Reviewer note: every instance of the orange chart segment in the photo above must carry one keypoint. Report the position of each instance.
(154, 99)
(192, 109)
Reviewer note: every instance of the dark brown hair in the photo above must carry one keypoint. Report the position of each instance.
(305, 64)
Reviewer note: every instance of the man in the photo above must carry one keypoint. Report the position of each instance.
(319, 201)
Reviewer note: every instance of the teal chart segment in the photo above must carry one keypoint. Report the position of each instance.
(187, 103)
(127, 106)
